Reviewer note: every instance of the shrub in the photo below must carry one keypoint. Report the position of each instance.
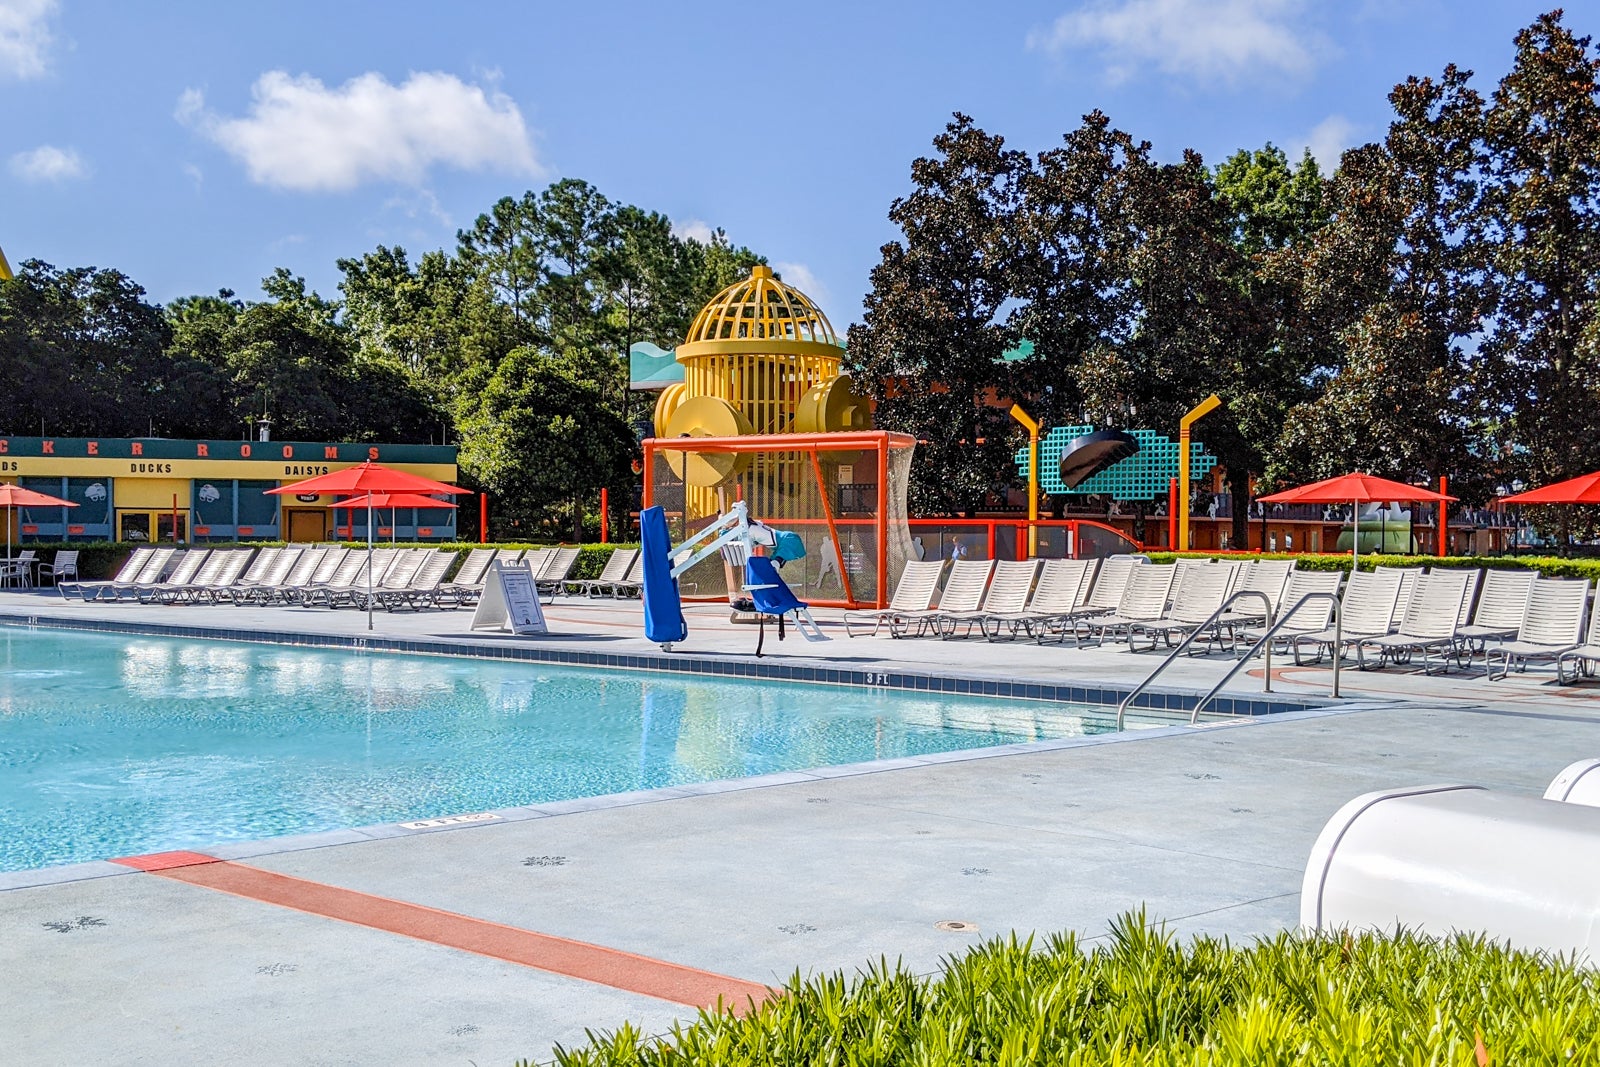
(1144, 999)
(1547, 566)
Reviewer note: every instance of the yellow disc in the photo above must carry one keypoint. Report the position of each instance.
(666, 404)
(707, 416)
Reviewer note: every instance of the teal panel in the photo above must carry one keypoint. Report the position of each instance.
(1142, 476)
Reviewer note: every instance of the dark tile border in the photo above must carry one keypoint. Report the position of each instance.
(1070, 692)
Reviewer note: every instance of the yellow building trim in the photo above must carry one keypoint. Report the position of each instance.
(130, 471)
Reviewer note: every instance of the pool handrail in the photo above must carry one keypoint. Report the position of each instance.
(1188, 639)
(1266, 642)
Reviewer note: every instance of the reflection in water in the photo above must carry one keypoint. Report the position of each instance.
(114, 746)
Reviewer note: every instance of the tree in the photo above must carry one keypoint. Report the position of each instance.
(1543, 134)
(539, 437)
(1397, 279)
(929, 352)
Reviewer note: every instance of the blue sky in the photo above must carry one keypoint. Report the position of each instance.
(197, 146)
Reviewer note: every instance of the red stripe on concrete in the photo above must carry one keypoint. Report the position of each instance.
(558, 955)
(165, 861)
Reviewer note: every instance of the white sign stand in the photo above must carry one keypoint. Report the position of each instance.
(510, 601)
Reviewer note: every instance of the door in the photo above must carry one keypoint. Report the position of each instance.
(306, 525)
(151, 526)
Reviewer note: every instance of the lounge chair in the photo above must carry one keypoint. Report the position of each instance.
(963, 591)
(235, 564)
(423, 588)
(261, 566)
(1365, 610)
(1502, 605)
(260, 591)
(551, 580)
(1429, 624)
(331, 561)
(127, 573)
(298, 579)
(1144, 600)
(154, 569)
(1554, 625)
(173, 591)
(633, 583)
(1583, 658)
(184, 572)
(352, 570)
(1204, 590)
(913, 594)
(467, 584)
(65, 563)
(1311, 619)
(396, 579)
(616, 569)
(1062, 588)
(1408, 583)
(1007, 594)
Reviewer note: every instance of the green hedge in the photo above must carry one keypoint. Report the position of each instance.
(102, 559)
(1144, 999)
(1548, 566)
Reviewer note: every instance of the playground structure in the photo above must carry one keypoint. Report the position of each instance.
(5, 268)
(766, 416)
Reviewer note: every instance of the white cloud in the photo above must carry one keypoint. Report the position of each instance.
(1328, 140)
(1209, 41)
(194, 174)
(693, 229)
(302, 135)
(25, 37)
(799, 275)
(47, 163)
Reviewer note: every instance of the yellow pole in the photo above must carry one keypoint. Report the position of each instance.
(5, 268)
(1033, 477)
(1196, 413)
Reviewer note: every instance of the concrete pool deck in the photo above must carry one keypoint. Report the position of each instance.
(1207, 828)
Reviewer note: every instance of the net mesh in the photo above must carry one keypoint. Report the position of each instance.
(782, 488)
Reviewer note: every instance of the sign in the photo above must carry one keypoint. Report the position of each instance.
(510, 601)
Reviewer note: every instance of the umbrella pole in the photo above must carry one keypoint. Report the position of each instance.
(369, 561)
(1355, 536)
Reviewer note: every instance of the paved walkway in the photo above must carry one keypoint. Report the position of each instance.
(479, 943)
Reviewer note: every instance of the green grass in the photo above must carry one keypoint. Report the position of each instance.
(1142, 998)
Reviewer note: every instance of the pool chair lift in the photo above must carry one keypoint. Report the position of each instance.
(769, 594)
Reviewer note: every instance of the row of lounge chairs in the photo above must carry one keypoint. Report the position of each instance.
(1390, 615)
(337, 576)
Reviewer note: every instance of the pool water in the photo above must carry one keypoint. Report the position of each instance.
(114, 745)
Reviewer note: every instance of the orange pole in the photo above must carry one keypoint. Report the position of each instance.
(605, 510)
(1443, 546)
(882, 443)
(647, 497)
(833, 531)
(1172, 517)
(483, 518)
(174, 518)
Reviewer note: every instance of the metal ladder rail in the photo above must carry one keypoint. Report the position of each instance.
(1266, 640)
(1188, 639)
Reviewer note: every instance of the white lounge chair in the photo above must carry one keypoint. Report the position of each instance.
(1583, 658)
(467, 584)
(1007, 594)
(1061, 588)
(184, 572)
(913, 594)
(65, 563)
(1408, 582)
(1204, 590)
(1502, 605)
(1310, 620)
(963, 591)
(618, 564)
(1365, 610)
(1554, 625)
(1144, 600)
(1429, 624)
(127, 573)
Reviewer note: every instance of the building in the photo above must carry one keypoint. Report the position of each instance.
(156, 489)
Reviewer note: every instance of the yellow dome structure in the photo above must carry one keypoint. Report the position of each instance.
(769, 354)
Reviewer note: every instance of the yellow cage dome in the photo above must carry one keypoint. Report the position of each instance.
(761, 308)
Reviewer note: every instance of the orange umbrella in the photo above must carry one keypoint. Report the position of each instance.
(1584, 489)
(392, 501)
(368, 478)
(14, 496)
(1355, 489)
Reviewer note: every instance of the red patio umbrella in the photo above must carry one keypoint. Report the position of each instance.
(392, 501)
(1355, 489)
(14, 496)
(1584, 489)
(368, 478)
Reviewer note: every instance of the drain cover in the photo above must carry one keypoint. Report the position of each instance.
(956, 926)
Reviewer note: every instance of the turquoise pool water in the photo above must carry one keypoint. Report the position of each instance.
(112, 745)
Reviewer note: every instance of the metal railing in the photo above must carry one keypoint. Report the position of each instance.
(1188, 639)
(1266, 642)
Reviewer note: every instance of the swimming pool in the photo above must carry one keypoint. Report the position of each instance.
(115, 745)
